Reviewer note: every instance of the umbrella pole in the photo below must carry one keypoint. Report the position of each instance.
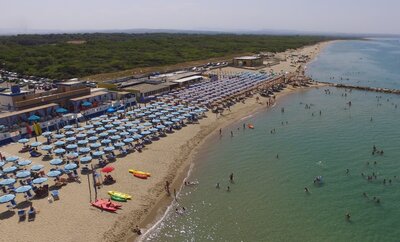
(90, 190)
(94, 182)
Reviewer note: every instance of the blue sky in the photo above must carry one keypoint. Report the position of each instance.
(348, 16)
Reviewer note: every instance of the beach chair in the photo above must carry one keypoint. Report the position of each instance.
(25, 149)
(21, 215)
(55, 195)
(31, 215)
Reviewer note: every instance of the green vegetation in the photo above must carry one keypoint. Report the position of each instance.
(77, 55)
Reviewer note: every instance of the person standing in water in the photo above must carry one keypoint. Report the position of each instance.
(231, 177)
(231, 134)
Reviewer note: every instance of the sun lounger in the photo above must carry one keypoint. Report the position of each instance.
(21, 215)
(55, 195)
(25, 149)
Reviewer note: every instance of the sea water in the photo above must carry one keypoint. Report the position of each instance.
(317, 133)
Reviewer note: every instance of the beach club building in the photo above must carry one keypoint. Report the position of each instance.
(248, 61)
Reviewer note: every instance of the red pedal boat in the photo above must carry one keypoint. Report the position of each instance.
(106, 205)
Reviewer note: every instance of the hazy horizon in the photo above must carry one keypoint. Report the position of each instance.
(368, 17)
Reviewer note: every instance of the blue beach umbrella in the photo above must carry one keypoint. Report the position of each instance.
(145, 133)
(36, 144)
(80, 129)
(153, 130)
(39, 180)
(89, 126)
(112, 131)
(7, 198)
(46, 134)
(155, 121)
(116, 123)
(137, 136)
(23, 141)
(7, 182)
(37, 167)
(10, 169)
(23, 189)
(128, 125)
(72, 146)
(128, 140)
(81, 136)
(85, 159)
(59, 151)
(132, 131)
(61, 110)
(108, 126)
(168, 123)
(23, 174)
(97, 123)
(175, 120)
(70, 166)
(119, 144)
(115, 137)
(135, 122)
(70, 139)
(67, 127)
(56, 162)
(120, 128)
(59, 143)
(106, 120)
(53, 173)
(104, 134)
(160, 126)
(147, 124)
(110, 110)
(114, 118)
(12, 159)
(84, 150)
(2, 163)
(69, 133)
(96, 118)
(109, 148)
(83, 142)
(59, 136)
(140, 127)
(34, 118)
(93, 138)
(24, 163)
(100, 129)
(96, 145)
(98, 153)
(121, 111)
(124, 120)
(124, 133)
(72, 155)
(91, 132)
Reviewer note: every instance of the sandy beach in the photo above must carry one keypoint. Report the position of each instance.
(73, 219)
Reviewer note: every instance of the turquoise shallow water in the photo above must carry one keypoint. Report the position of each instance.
(267, 202)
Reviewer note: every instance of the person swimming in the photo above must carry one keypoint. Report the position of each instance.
(306, 190)
(217, 186)
(228, 189)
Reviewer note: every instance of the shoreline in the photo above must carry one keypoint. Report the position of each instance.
(160, 208)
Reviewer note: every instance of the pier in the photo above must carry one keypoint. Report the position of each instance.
(363, 88)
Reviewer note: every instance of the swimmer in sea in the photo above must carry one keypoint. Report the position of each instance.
(228, 189)
(217, 186)
(306, 189)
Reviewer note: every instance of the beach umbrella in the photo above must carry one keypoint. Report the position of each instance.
(70, 166)
(135, 122)
(98, 153)
(132, 131)
(145, 133)
(54, 173)
(7, 198)
(59, 151)
(67, 127)
(121, 111)
(110, 110)
(84, 150)
(23, 189)
(59, 136)
(152, 116)
(72, 146)
(70, 139)
(120, 128)
(160, 126)
(163, 118)
(140, 127)
(34, 118)
(23, 174)
(112, 131)
(61, 110)
(91, 132)
(83, 142)
(116, 123)
(97, 123)
(46, 134)
(69, 133)
(85, 159)
(7, 182)
(24, 162)
(128, 140)
(155, 120)
(96, 145)
(2, 163)
(93, 138)
(109, 148)
(37, 167)
(36, 144)
(80, 129)
(115, 137)
(86, 104)
(119, 144)
(124, 133)
(56, 162)
(81, 136)
(124, 120)
(106, 120)
(168, 123)
(72, 155)
(89, 126)
(128, 125)
(100, 129)
(23, 141)
(104, 134)
(103, 116)
(59, 143)
(137, 136)
(140, 114)
(10, 169)
(107, 169)
(106, 141)
(39, 180)
(96, 118)
(175, 120)
(12, 159)
(108, 126)
(153, 130)
(147, 124)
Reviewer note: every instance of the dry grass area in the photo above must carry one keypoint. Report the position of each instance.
(76, 42)
(145, 70)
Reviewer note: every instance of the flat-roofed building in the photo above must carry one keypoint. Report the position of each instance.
(45, 112)
(145, 92)
(248, 61)
(188, 80)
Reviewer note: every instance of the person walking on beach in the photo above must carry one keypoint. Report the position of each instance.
(244, 125)
(220, 132)
(231, 177)
(167, 188)
(231, 133)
